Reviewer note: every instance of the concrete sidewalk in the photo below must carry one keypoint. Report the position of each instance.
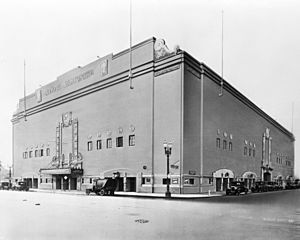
(135, 194)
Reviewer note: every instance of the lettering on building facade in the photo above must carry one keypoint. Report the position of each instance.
(69, 82)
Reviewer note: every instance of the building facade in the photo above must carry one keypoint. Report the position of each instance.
(90, 123)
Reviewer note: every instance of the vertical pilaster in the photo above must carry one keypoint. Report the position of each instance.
(270, 150)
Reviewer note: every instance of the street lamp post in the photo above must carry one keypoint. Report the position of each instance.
(168, 150)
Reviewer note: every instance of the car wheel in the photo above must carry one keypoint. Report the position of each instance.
(102, 192)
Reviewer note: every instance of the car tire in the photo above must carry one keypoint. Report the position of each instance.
(102, 192)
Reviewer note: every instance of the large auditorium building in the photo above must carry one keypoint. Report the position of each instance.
(90, 123)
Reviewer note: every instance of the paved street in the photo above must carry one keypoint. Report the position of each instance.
(35, 215)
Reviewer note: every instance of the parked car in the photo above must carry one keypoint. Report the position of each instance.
(20, 186)
(103, 187)
(273, 186)
(5, 185)
(291, 185)
(237, 188)
(259, 186)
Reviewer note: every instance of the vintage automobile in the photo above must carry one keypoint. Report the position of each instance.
(20, 186)
(259, 186)
(5, 185)
(103, 187)
(236, 188)
(272, 186)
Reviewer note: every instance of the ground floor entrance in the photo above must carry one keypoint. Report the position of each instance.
(31, 182)
(66, 182)
(126, 184)
(223, 183)
(267, 176)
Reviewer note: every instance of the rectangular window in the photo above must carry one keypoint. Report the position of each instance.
(30, 154)
(41, 180)
(48, 151)
(250, 150)
(91, 180)
(36, 153)
(82, 180)
(46, 180)
(119, 142)
(165, 181)
(146, 180)
(189, 181)
(174, 180)
(42, 152)
(131, 140)
(230, 146)
(245, 151)
(224, 144)
(218, 142)
(90, 146)
(109, 143)
(99, 144)
(253, 153)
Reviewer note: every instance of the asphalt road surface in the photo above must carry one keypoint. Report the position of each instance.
(33, 215)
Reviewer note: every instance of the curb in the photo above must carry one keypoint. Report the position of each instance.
(135, 195)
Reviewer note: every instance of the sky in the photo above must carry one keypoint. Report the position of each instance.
(261, 46)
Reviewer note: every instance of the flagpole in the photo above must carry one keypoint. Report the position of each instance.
(130, 48)
(292, 117)
(25, 91)
(222, 56)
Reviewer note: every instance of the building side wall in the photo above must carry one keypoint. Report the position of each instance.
(225, 117)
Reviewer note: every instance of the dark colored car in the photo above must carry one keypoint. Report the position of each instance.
(237, 188)
(20, 186)
(103, 187)
(291, 185)
(272, 186)
(260, 186)
(5, 186)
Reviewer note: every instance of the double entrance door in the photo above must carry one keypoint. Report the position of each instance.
(66, 182)
(223, 183)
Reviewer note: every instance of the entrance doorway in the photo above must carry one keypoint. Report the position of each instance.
(58, 183)
(35, 183)
(225, 183)
(120, 184)
(131, 184)
(73, 183)
(65, 183)
(218, 184)
(267, 176)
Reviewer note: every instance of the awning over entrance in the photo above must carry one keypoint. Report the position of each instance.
(61, 171)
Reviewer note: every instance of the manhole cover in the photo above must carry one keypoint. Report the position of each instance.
(141, 221)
